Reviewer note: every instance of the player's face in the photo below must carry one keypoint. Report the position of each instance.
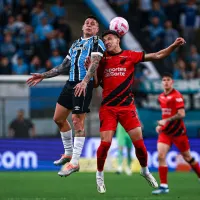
(167, 83)
(111, 42)
(90, 27)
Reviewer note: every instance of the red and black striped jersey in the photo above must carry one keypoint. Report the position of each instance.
(116, 73)
(170, 104)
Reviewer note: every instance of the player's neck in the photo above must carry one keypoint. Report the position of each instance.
(167, 91)
(116, 50)
(86, 36)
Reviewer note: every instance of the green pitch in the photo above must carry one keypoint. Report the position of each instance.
(81, 186)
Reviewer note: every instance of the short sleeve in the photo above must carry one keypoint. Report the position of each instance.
(98, 46)
(179, 102)
(137, 56)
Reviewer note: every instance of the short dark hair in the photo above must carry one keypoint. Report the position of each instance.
(167, 74)
(106, 32)
(92, 17)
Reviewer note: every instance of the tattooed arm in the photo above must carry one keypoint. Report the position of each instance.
(179, 115)
(80, 88)
(95, 59)
(60, 69)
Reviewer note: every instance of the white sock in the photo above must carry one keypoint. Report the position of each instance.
(67, 142)
(78, 146)
(164, 185)
(145, 170)
(99, 173)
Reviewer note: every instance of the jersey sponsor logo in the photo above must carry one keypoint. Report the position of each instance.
(166, 111)
(169, 97)
(76, 108)
(179, 99)
(120, 71)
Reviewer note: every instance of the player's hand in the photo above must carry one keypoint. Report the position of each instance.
(35, 79)
(158, 129)
(179, 41)
(162, 122)
(87, 62)
(80, 88)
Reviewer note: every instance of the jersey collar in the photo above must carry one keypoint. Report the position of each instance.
(114, 54)
(86, 38)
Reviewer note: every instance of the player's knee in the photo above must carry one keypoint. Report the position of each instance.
(106, 138)
(161, 157)
(77, 123)
(188, 158)
(58, 121)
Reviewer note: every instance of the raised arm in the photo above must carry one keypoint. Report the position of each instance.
(60, 69)
(164, 52)
(95, 59)
(80, 88)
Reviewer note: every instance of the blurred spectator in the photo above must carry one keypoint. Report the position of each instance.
(156, 32)
(173, 11)
(19, 23)
(20, 68)
(171, 34)
(180, 70)
(193, 55)
(11, 25)
(57, 42)
(5, 66)
(56, 59)
(193, 70)
(23, 8)
(27, 32)
(36, 66)
(169, 37)
(28, 49)
(145, 8)
(44, 30)
(48, 65)
(21, 127)
(122, 6)
(189, 21)
(157, 12)
(58, 9)
(37, 14)
(7, 48)
(63, 27)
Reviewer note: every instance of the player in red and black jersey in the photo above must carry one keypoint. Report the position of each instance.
(171, 130)
(115, 72)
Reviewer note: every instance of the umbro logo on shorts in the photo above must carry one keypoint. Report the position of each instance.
(76, 108)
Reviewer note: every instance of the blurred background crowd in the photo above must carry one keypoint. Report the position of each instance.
(33, 38)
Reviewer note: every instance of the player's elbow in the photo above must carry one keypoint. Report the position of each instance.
(181, 114)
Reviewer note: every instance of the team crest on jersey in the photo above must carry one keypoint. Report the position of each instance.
(122, 61)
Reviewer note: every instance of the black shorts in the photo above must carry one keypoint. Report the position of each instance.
(78, 105)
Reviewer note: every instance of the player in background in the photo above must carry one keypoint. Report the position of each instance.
(115, 73)
(123, 141)
(88, 45)
(172, 130)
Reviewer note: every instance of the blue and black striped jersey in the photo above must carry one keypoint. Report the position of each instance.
(78, 52)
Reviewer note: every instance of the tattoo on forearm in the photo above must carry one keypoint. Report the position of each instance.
(79, 133)
(175, 117)
(60, 69)
(94, 65)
